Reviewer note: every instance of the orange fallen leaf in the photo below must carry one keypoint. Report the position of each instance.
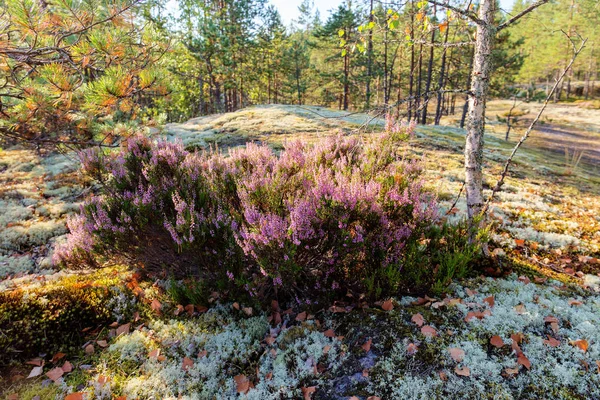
(428, 331)
(38, 362)
(520, 242)
(387, 305)
(102, 343)
(490, 300)
(457, 354)
(154, 353)
(270, 340)
(367, 345)
(156, 306)
(418, 319)
(74, 396)
(496, 341)
(102, 379)
(247, 310)
(57, 357)
(581, 344)
(573, 302)
(189, 309)
(178, 310)
(236, 305)
(465, 371)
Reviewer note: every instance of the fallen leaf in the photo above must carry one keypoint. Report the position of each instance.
(418, 319)
(154, 353)
(67, 367)
(74, 396)
(552, 342)
(202, 354)
(36, 371)
(123, 329)
(520, 242)
(102, 343)
(457, 354)
(411, 349)
(520, 308)
(89, 349)
(156, 306)
(550, 319)
(38, 362)
(55, 373)
(242, 383)
(598, 365)
(326, 349)
(465, 371)
(490, 301)
(270, 340)
(387, 305)
(581, 344)
(187, 363)
(247, 310)
(373, 398)
(57, 357)
(178, 310)
(524, 361)
(329, 333)
(524, 279)
(470, 292)
(189, 309)
(307, 392)
(496, 341)
(102, 380)
(573, 302)
(236, 305)
(367, 345)
(301, 317)
(443, 376)
(511, 371)
(428, 331)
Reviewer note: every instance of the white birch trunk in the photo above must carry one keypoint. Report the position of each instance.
(476, 111)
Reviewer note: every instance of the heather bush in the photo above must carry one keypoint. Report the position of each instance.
(314, 221)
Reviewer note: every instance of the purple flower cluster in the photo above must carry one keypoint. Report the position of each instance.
(315, 218)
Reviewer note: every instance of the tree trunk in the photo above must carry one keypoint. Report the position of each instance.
(438, 112)
(429, 74)
(476, 113)
(370, 58)
(412, 63)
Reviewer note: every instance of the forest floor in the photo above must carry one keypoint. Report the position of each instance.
(531, 332)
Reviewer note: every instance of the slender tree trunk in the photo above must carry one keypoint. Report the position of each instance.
(370, 58)
(429, 74)
(412, 62)
(385, 65)
(419, 76)
(438, 112)
(476, 113)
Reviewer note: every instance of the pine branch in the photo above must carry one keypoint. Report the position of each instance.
(521, 14)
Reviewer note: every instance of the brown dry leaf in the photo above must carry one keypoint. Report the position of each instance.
(598, 365)
(524, 279)
(418, 319)
(123, 329)
(36, 371)
(89, 349)
(367, 345)
(511, 371)
(102, 380)
(242, 383)
(270, 340)
(524, 361)
(189, 309)
(202, 354)
(178, 310)
(457, 354)
(373, 398)
(102, 343)
(301, 317)
(537, 279)
(38, 362)
(55, 373)
(236, 305)
(581, 344)
(307, 392)
(13, 396)
(74, 396)
(411, 349)
(269, 376)
(329, 333)
(187, 363)
(550, 319)
(156, 306)
(574, 302)
(326, 349)
(465, 371)
(57, 357)
(520, 308)
(520, 242)
(496, 341)
(490, 300)
(428, 331)
(470, 292)
(387, 305)
(154, 353)
(552, 342)
(247, 310)
(67, 367)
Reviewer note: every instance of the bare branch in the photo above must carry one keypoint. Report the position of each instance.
(500, 182)
(521, 14)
